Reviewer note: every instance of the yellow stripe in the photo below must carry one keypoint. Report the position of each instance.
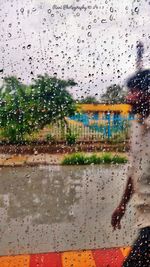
(125, 251)
(78, 259)
(15, 261)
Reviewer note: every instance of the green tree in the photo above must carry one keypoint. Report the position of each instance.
(89, 100)
(25, 109)
(13, 117)
(52, 101)
(115, 94)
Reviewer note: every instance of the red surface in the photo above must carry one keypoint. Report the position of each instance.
(108, 257)
(46, 260)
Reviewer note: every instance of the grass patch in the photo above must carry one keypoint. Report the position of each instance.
(82, 159)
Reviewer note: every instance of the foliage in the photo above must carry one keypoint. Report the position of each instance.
(89, 100)
(82, 159)
(25, 109)
(119, 160)
(53, 99)
(71, 138)
(115, 94)
(14, 115)
(75, 159)
(50, 138)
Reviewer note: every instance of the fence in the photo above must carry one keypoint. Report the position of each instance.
(85, 129)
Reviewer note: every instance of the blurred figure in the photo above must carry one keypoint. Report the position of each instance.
(139, 174)
(138, 182)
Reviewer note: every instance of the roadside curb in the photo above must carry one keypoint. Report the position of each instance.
(35, 160)
(85, 258)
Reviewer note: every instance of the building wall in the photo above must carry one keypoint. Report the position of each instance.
(123, 109)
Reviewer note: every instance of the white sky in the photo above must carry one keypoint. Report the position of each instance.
(92, 42)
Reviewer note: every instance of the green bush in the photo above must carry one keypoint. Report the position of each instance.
(50, 138)
(74, 159)
(119, 160)
(82, 159)
(71, 138)
(107, 158)
(94, 159)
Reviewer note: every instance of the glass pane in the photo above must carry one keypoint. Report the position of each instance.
(74, 132)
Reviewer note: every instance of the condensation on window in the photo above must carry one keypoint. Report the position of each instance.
(70, 134)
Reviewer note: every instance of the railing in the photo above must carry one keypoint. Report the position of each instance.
(86, 129)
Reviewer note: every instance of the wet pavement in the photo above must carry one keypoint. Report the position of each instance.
(61, 208)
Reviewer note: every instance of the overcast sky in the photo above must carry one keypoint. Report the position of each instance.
(93, 42)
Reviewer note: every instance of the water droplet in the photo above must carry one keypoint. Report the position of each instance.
(111, 18)
(29, 46)
(22, 10)
(136, 9)
(89, 34)
(103, 21)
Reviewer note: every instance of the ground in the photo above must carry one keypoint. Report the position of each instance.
(39, 158)
(47, 208)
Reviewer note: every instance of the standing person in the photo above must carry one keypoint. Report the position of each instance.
(138, 183)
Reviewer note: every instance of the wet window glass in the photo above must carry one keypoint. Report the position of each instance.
(74, 133)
